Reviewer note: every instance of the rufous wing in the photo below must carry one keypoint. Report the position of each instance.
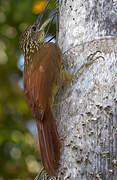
(41, 77)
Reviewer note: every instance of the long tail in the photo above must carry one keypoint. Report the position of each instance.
(50, 143)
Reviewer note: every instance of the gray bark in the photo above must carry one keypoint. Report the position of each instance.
(86, 110)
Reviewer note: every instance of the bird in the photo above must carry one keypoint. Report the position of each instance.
(43, 76)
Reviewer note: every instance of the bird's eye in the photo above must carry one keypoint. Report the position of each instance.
(34, 28)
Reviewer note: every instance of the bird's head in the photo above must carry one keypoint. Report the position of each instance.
(34, 35)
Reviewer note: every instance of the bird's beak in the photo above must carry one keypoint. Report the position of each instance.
(47, 21)
(38, 20)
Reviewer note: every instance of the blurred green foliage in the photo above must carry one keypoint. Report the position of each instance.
(19, 151)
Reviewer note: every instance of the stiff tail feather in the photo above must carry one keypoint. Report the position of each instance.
(49, 141)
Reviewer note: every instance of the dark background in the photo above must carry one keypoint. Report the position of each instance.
(19, 149)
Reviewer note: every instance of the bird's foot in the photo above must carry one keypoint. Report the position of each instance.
(90, 59)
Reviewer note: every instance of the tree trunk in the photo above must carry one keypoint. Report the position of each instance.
(86, 110)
